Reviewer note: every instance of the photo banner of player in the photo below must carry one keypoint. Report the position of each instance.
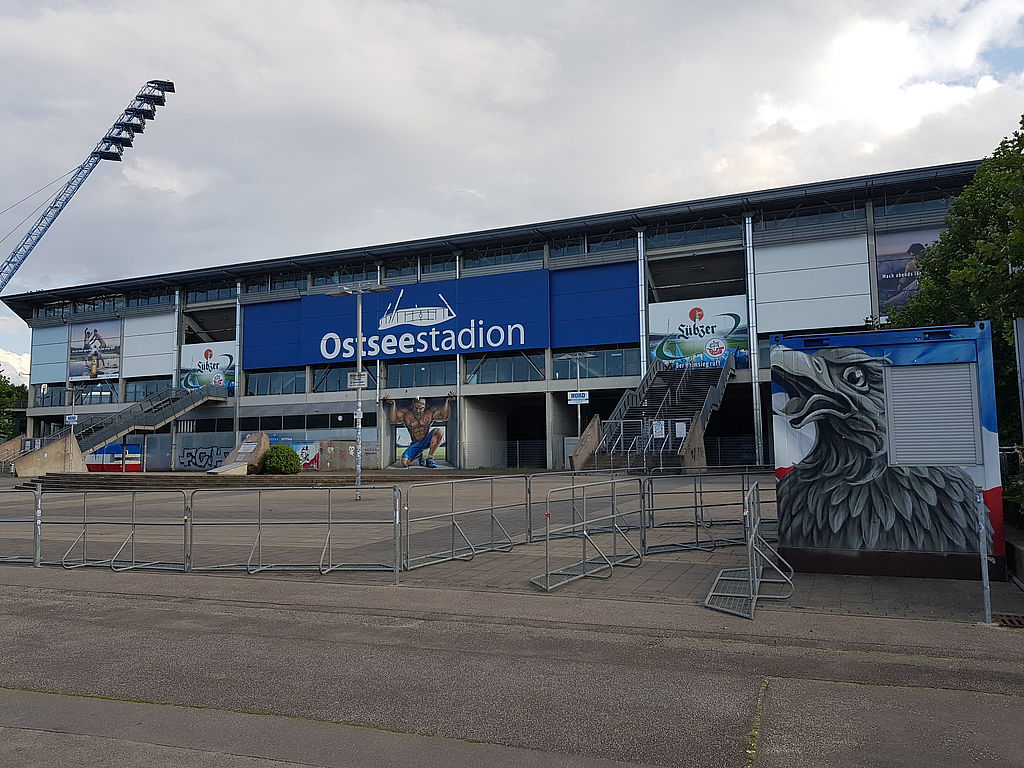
(95, 350)
(896, 256)
(423, 431)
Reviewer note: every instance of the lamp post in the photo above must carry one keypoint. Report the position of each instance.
(358, 290)
(577, 356)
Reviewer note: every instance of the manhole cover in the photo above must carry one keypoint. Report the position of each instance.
(1011, 620)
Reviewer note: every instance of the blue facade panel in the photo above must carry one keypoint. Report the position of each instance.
(592, 306)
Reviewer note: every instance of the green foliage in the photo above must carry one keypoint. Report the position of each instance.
(11, 395)
(281, 460)
(976, 269)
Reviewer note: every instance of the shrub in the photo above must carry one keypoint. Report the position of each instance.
(281, 460)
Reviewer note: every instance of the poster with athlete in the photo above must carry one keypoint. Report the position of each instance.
(422, 429)
(95, 350)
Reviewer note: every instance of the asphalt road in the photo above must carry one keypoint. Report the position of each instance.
(159, 669)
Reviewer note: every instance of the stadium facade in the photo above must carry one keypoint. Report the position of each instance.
(491, 330)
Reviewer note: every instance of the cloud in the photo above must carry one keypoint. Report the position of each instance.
(14, 366)
(323, 124)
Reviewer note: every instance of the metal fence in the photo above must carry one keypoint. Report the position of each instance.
(594, 521)
(589, 522)
(296, 529)
(737, 590)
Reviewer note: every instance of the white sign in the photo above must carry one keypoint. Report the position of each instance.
(71, 418)
(579, 398)
(659, 429)
(680, 429)
(358, 380)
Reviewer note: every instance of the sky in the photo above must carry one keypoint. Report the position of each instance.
(301, 126)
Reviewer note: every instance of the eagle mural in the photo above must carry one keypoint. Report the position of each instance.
(844, 494)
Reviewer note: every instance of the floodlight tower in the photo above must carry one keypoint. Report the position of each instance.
(110, 147)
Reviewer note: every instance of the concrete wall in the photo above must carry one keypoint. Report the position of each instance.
(61, 456)
(561, 418)
(199, 452)
(485, 434)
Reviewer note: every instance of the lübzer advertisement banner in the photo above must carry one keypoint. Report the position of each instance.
(212, 363)
(95, 350)
(701, 333)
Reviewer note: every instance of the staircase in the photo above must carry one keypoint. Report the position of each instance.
(643, 431)
(145, 416)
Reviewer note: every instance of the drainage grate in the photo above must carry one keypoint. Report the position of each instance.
(1011, 620)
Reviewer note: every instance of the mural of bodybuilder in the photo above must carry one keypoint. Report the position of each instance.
(844, 494)
(420, 419)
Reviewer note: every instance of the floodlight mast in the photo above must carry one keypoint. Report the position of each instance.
(110, 147)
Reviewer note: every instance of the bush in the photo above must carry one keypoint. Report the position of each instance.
(281, 460)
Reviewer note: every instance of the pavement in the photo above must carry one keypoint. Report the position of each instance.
(468, 663)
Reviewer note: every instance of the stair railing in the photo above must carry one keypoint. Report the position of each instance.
(711, 402)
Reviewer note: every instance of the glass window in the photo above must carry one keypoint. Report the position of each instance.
(611, 241)
(691, 233)
(55, 396)
(99, 304)
(270, 423)
(334, 378)
(297, 421)
(99, 393)
(510, 366)
(288, 381)
(282, 282)
(351, 273)
(249, 424)
(400, 268)
(810, 216)
(257, 284)
(423, 373)
(136, 390)
(149, 298)
(432, 265)
(215, 292)
(614, 361)
(566, 246)
(501, 256)
(318, 421)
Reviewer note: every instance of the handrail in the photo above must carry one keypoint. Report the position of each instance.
(155, 405)
(711, 403)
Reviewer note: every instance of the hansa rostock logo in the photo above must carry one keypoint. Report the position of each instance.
(477, 334)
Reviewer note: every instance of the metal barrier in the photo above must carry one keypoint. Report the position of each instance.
(610, 496)
(214, 508)
(575, 477)
(699, 503)
(102, 525)
(30, 520)
(737, 590)
(451, 526)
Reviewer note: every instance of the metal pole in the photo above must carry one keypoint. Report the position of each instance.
(578, 406)
(755, 361)
(37, 528)
(359, 394)
(986, 595)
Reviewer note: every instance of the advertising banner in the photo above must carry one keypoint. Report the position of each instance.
(445, 317)
(212, 363)
(422, 430)
(701, 333)
(95, 350)
(896, 257)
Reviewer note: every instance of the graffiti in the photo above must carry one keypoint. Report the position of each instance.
(202, 457)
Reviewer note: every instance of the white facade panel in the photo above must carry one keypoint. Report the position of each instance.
(48, 373)
(49, 355)
(820, 253)
(823, 284)
(148, 346)
(801, 314)
(813, 283)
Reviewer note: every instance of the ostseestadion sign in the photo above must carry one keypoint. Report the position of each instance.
(444, 317)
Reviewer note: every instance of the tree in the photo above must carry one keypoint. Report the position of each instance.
(975, 271)
(11, 396)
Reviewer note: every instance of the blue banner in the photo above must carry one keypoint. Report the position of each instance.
(446, 317)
